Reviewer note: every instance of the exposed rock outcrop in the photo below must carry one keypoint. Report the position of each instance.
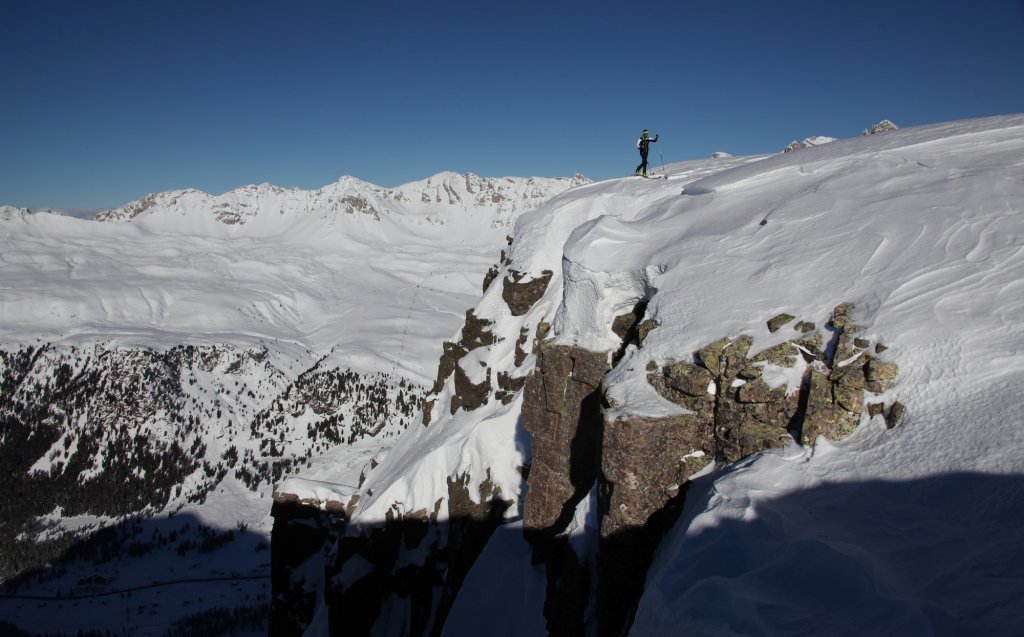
(817, 140)
(561, 411)
(727, 392)
(883, 126)
(468, 395)
(644, 465)
(521, 295)
(732, 412)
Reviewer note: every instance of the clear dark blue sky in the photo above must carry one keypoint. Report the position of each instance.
(104, 102)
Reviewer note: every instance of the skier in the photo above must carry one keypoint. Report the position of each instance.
(643, 143)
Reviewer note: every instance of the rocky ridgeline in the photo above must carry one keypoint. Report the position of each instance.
(119, 431)
(883, 126)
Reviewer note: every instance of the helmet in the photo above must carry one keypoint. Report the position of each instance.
(645, 132)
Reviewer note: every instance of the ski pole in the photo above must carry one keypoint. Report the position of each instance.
(662, 157)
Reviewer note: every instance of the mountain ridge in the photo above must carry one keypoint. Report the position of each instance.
(503, 196)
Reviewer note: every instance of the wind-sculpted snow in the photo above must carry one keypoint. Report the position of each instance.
(920, 228)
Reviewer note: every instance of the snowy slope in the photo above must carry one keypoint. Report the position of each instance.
(913, 530)
(332, 268)
(910, 531)
(203, 346)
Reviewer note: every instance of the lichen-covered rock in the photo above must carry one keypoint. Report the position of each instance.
(749, 436)
(688, 385)
(758, 391)
(878, 370)
(776, 322)
(748, 415)
(805, 327)
(841, 318)
(880, 376)
(752, 418)
(783, 355)
(823, 416)
(642, 459)
(688, 378)
(850, 376)
(623, 324)
(896, 413)
(711, 355)
(645, 328)
(734, 355)
(726, 394)
(812, 347)
(849, 398)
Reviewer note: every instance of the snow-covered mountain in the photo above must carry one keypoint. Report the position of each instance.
(798, 367)
(762, 395)
(263, 264)
(266, 208)
(183, 353)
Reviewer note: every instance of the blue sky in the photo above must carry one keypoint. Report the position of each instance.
(104, 102)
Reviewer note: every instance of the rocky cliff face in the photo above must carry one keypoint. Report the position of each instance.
(735, 400)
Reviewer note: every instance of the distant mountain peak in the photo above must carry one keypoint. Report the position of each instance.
(503, 197)
(881, 127)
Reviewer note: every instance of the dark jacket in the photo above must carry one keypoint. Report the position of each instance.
(644, 142)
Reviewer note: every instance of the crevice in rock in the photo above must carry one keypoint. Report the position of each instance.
(626, 327)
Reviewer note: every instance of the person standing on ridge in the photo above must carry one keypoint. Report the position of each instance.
(643, 143)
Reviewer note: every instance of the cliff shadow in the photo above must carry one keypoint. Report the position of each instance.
(172, 571)
(942, 555)
(396, 576)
